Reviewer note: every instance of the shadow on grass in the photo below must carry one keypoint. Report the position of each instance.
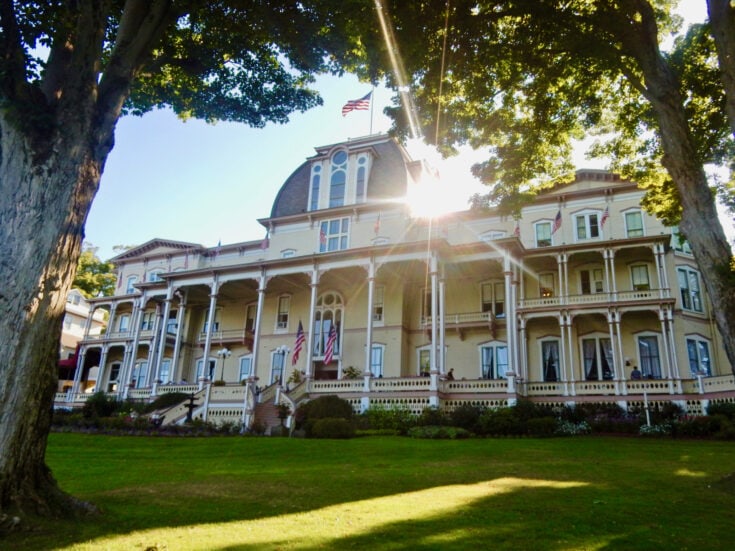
(391, 493)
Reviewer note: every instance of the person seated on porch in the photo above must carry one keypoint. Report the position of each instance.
(635, 374)
(450, 375)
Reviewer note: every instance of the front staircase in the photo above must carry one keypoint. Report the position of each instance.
(266, 415)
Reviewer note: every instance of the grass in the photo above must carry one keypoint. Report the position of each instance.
(391, 493)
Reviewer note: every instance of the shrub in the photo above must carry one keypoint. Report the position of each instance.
(501, 422)
(398, 419)
(324, 407)
(526, 409)
(331, 428)
(100, 405)
(722, 408)
(655, 430)
(699, 427)
(542, 426)
(569, 428)
(466, 416)
(432, 416)
(439, 432)
(667, 412)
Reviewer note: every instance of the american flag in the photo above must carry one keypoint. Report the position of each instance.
(377, 225)
(605, 216)
(299, 344)
(266, 242)
(362, 104)
(517, 231)
(323, 237)
(557, 222)
(329, 351)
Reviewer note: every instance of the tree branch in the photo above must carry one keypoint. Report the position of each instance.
(13, 61)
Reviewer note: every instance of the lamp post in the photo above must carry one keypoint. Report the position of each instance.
(224, 353)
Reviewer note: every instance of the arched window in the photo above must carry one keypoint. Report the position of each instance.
(315, 181)
(338, 179)
(361, 178)
(329, 311)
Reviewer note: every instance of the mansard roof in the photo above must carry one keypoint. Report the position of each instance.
(389, 173)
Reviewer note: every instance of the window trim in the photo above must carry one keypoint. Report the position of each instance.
(282, 316)
(493, 284)
(641, 365)
(628, 230)
(379, 292)
(342, 237)
(377, 346)
(688, 271)
(536, 225)
(698, 340)
(632, 277)
(495, 345)
(587, 214)
(558, 374)
(239, 366)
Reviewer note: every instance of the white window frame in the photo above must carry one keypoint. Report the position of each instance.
(377, 364)
(693, 301)
(599, 374)
(288, 253)
(492, 235)
(536, 227)
(589, 227)
(247, 358)
(212, 367)
(638, 286)
(557, 371)
(252, 307)
(336, 232)
(379, 304)
(335, 169)
(645, 370)
(114, 383)
(139, 373)
(679, 243)
(155, 275)
(278, 366)
(330, 309)
(215, 324)
(594, 272)
(164, 375)
(698, 341)
(123, 323)
(283, 314)
(497, 348)
(637, 232)
(148, 321)
(420, 351)
(315, 187)
(542, 289)
(493, 303)
(129, 287)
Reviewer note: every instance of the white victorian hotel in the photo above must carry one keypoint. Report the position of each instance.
(558, 306)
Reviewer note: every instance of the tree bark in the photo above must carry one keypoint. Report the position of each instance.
(722, 21)
(699, 220)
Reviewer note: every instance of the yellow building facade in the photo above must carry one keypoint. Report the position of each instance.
(558, 305)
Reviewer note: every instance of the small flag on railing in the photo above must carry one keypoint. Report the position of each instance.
(299, 344)
(329, 351)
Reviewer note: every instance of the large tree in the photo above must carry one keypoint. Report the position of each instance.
(68, 70)
(524, 78)
(94, 277)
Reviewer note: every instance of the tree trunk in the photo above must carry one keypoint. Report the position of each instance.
(722, 21)
(46, 199)
(700, 222)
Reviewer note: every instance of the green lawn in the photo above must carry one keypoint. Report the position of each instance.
(392, 493)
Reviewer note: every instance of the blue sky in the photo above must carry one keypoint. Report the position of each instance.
(191, 181)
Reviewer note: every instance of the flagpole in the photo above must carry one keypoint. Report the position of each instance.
(372, 109)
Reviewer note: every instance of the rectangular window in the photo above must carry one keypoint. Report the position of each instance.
(597, 358)
(250, 314)
(649, 357)
(543, 234)
(679, 242)
(634, 224)
(699, 358)
(376, 360)
(245, 367)
(165, 373)
(493, 298)
(378, 296)
(147, 322)
(587, 226)
(277, 362)
(546, 285)
(124, 323)
(639, 277)
(171, 325)
(425, 362)
(494, 361)
(215, 325)
(691, 298)
(591, 281)
(284, 304)
(334, 235)
(550, 361)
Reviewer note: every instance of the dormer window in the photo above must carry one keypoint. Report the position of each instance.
(360, 194)
(338, 179)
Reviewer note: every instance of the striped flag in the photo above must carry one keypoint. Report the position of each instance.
(605, 216)
(266, 242)
(299, 344)
(557, 222)
(362, 104)
(329, 351)
(323, 238)
(377, 225)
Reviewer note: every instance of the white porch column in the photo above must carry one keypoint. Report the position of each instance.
(88, 321)
(180, 313)
(312, 312)
(676, 372)
(617, 363)
(563, 361)
(611, 255)
(138, 307)
(163, 332)
(256, 329)
(523, 348)
(153, 348)
(442, 325)
(618, 343)
(210, 324)
(80, 368)
(560, 274)
(102, 367)
(570, 338)
(111, 320)
(510, 312)
(659, 269)
(434, 306)
(369, 325)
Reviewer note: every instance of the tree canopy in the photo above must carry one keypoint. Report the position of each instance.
(94, 277)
